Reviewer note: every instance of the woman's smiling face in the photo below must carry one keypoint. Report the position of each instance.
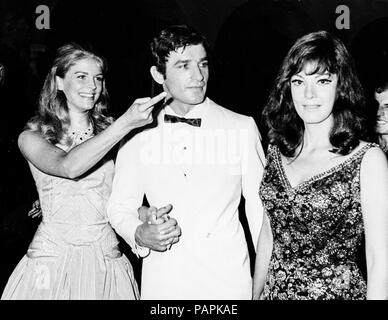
(313, 94)
(82, 85)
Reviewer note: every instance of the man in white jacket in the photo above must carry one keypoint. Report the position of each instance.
(200, 158)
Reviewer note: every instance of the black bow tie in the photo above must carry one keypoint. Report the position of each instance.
(173, 119)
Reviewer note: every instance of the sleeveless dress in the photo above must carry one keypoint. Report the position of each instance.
(74, 253)
(317, 229)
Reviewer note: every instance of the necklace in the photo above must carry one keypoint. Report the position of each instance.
(79, 136)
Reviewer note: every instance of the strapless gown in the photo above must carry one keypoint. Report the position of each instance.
(74, 253)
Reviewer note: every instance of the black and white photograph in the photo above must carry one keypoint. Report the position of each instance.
(194, 154)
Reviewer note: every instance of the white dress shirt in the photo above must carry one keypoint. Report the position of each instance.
(202, 171)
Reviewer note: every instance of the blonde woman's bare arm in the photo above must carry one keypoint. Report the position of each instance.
(54, 161)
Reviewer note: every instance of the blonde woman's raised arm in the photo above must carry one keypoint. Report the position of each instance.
(54, 161)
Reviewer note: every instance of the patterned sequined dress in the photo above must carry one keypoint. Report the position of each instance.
(317, 229)
(74, 253)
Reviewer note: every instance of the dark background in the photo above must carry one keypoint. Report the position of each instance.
(249, 38)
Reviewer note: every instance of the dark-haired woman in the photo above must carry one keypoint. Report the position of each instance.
(324, 186)
(74, 253)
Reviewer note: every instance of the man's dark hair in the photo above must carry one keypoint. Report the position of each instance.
(171, 39)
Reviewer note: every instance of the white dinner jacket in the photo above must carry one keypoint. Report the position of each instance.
(202, 171)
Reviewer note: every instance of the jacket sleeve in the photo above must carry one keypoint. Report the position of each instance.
(127, 195)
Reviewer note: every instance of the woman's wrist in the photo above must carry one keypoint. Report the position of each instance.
(122, 125)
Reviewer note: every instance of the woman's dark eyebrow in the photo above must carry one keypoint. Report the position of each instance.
(325, 73)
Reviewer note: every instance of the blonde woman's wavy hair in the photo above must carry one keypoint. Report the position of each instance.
(52, 119)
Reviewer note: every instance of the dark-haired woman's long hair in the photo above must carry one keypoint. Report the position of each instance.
(328, 54)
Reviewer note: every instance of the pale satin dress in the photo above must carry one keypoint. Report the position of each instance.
(74, 253)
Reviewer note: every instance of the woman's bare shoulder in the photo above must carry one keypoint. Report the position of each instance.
(374, 158)
(31, 139)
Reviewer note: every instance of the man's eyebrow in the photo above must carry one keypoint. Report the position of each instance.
(181, 61)
(188, 60)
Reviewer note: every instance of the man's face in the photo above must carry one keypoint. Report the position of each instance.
(187, 73)
(382, 115)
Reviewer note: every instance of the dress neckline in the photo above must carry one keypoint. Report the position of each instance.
(317, 176)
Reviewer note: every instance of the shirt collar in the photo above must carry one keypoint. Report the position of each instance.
(196, 112)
